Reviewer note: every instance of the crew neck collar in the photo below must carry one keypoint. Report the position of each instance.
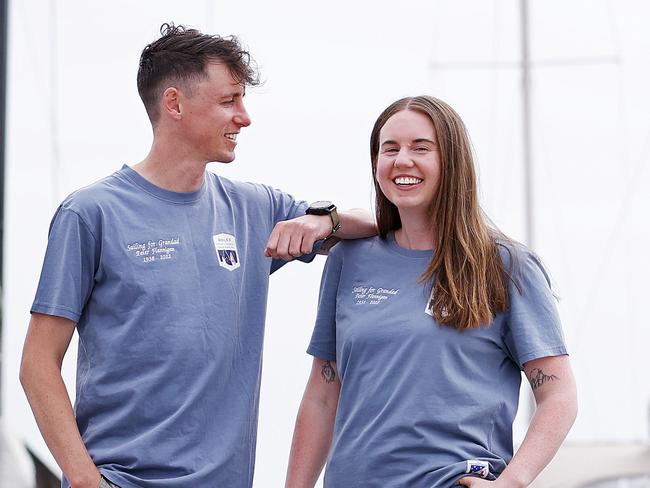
(161, 193)
(411, 253)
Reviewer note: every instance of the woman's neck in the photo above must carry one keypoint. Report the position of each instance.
(415, 234)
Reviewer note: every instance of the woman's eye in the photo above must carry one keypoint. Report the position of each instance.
(421, 149)
(390, 151)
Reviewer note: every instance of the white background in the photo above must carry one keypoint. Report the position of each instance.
(330, 68)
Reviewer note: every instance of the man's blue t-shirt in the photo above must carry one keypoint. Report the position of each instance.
(169, 294)
(421, 402)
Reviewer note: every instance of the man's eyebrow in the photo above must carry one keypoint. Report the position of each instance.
(232, 94)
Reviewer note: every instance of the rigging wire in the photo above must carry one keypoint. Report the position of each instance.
(54, 104)
(631, 187)
(572, 62)
(494, 95)
(634, 340)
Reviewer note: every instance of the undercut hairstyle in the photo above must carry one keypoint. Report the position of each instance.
(469, 280)
(179, 58)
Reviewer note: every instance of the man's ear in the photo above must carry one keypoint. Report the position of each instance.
(171, 105)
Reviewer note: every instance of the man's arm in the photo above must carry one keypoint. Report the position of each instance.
(293, 238)
(47, 341)
(312, 435)
(554, 388)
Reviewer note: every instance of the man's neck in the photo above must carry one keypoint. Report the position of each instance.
(172, 170)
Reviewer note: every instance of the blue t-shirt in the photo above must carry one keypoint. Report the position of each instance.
(419, 400)
(169, 294)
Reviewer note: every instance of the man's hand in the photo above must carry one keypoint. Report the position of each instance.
(293, 238)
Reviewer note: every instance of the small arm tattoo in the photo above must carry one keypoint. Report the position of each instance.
(327, 372)
(538, 378)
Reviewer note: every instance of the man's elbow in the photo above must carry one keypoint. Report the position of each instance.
(31, 370)
(26, 374)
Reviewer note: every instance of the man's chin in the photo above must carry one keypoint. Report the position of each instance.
(224, 159)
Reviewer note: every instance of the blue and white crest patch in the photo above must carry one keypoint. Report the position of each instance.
(226, 248)
(478, 468)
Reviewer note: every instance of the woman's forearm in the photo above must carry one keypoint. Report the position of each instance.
(312, 438)
(548, 428)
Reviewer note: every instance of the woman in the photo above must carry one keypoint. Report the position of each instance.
(422, 332)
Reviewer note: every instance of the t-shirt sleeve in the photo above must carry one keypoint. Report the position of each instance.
(533, 328)
(323, 339)
(69, 267)
(286, 207)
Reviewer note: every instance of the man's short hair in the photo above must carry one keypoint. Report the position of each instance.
(179, 57)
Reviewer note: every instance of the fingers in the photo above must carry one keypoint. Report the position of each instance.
(291, 239)
(272, 244)
(474, 482)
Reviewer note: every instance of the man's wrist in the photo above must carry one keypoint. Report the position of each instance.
(325, 207)
(90, 479)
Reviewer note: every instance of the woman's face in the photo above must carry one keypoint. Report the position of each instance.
(408, 162)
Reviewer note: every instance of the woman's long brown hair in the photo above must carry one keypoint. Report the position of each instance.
(468, 279)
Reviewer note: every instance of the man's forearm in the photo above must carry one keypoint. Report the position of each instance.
(356, 223)
(52, 409)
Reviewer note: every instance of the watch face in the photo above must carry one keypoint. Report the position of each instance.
(321, 205)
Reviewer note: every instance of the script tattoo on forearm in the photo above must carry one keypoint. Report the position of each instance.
(538, 378)
(327, 372)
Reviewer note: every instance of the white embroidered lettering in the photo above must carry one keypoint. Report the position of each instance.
(370, 295)
(154, 250)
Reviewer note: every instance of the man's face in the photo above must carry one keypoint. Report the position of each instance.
(213, 115)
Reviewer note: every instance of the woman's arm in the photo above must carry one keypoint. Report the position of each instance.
(554, 388)
(312, 435)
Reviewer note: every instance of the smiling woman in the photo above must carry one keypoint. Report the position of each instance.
(408, 163)
(422, 332)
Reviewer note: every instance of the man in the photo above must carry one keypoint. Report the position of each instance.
(163, 270)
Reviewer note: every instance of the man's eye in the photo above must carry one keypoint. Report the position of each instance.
(229, 102)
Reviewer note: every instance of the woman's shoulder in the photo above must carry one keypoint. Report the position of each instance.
(520, 262)
(350, 247)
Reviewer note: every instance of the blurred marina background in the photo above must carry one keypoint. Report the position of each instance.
(553, 92)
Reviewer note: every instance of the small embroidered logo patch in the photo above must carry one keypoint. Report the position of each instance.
(226, 248)
(478, 468)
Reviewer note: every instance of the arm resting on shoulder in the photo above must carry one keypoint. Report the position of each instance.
(293, 238)
(554, 388)
(356, 223)
(47, 341)
(312, 435)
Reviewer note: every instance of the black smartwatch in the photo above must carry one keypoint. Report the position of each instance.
(326, 208)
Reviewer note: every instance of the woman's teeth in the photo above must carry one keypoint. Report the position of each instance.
(407, 180)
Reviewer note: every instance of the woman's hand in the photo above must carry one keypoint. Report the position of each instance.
(474, 482)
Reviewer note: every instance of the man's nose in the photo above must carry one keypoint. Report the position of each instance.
(242, 119)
